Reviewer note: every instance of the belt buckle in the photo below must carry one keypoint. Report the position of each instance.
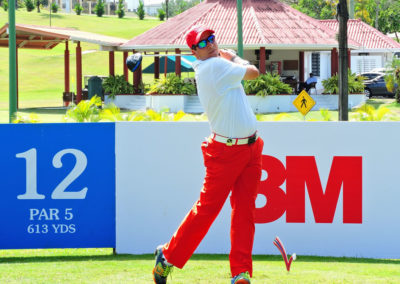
(229, 142)
(252, 139)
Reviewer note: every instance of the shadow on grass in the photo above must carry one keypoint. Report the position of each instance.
(46, 15)
(376, 103)
(54, 110)
(66, 258)
(202, 257)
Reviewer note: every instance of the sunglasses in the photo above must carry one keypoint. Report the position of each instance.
(203, 43)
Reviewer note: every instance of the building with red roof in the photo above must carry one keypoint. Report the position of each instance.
(276, 37)
(376, 49)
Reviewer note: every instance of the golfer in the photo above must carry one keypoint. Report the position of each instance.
(232, 157)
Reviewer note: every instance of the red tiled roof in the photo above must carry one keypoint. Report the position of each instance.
(268, 23)
(367, 36)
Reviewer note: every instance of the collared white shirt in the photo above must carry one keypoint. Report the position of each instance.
(222, 95)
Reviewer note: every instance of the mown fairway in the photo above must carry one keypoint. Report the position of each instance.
(101, 266)
(41, 72)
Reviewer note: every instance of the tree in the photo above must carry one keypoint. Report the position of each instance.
(99, 8)
(389, 18)
(364, 9)
(78, 9)
(54, 7)
(176, 7)
(317, 9)
(161, 14)
(140, 10)
(121, 9)
(5, 5)
(393, 78)
(29, 5)
(38, 5)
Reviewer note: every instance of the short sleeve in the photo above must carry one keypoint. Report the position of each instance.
(227, 74)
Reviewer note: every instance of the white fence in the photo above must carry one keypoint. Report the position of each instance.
(342, 176)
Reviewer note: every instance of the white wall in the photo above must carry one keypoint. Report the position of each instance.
(159, 172)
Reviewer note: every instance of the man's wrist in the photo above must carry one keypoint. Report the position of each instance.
(238, 60)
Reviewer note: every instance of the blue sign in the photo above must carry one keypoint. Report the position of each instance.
(57, 186)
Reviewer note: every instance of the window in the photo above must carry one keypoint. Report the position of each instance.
(315, 63)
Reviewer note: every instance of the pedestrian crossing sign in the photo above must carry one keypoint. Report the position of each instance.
(304, 102)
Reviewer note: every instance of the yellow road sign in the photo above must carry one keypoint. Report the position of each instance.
(303, 102)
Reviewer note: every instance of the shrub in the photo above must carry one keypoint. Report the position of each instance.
(54, 7)
(172, 84)
(140, 10)
(392, 78)
(5, 5)
(121, 9)
(115, 85)
(85, 111)
(355, 84)
(78, 8)
(267, 84)
(99, 8)
(29, 5)
(161, 14)
(31, 118)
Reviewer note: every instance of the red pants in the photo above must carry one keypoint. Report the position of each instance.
(228, 168)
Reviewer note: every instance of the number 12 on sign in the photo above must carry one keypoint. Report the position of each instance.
(59, 192)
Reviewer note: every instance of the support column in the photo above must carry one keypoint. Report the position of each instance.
(334, 61)
(137, 77)
(16, 68)
(262, 60)
(156, 66)
(111, 63)
(78, 72)
(125, 67)
(66, 68)
(178, 62)
(349, 57)
(301, 66)
(165, 64)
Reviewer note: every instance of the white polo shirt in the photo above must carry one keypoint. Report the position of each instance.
(222, 95)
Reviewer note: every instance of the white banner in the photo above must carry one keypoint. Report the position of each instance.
(332, 187)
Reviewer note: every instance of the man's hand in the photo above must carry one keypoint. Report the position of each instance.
(227, 54)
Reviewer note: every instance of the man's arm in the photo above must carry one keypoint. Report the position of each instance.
(251, 70)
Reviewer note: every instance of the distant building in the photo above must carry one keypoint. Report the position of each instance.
(150, 6)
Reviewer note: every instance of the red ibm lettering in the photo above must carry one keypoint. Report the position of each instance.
(345, 173)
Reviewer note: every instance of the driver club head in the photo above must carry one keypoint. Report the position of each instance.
(134, 61)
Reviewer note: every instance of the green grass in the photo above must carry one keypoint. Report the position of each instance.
(41, 72)
(101, 266)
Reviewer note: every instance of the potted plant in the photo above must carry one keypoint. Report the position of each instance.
(123, 94)
(173, 92)
(331, 86)
(267, 84)
(355, 84)
(267, 93)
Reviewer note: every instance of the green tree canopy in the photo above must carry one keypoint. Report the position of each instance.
(317, 9)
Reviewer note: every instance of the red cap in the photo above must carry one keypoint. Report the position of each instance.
(194, 35)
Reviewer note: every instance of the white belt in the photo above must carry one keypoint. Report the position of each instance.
(234, 141)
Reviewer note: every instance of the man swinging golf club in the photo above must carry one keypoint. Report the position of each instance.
(232, 157)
